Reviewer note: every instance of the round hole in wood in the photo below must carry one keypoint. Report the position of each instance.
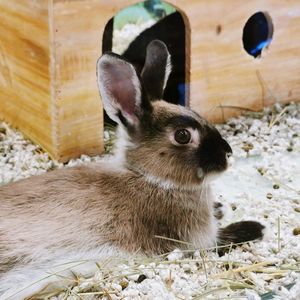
(257, 33)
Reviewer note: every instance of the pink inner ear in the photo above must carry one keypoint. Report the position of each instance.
(122, 88)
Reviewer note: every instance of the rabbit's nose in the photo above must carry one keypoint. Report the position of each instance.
(227, 148)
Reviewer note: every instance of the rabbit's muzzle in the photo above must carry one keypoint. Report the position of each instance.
(213, 152)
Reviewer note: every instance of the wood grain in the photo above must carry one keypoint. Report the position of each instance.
(77, 44)
(224, 74)
(221, 76)
(25, 100)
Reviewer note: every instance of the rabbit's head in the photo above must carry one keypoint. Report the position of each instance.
(166, 143)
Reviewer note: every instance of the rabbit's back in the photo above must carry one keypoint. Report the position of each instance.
(61, 210)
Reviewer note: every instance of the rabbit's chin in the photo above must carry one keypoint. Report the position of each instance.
(200, 173)
(209, 177)
(212, 175)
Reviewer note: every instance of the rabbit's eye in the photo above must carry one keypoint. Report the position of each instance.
(182, 136)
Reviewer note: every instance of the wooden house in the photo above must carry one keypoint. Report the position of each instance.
(49, 49)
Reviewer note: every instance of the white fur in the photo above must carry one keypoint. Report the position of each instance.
(167, 70)
(200, 173)
(121, 145)
(164, 184)
(169, 184)
(206, 236)
(25, 281)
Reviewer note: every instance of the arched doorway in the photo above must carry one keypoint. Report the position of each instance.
(130, 31)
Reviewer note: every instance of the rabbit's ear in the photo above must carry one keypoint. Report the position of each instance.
(120, 89)
(156, 70)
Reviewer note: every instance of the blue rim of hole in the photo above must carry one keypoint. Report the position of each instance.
(257, 33)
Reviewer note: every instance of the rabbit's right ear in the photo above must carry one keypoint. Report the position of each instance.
(157, 69)
(120, 89)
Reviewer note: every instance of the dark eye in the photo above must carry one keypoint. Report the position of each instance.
(182, 136)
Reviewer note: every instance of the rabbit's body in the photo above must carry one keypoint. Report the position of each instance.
(149, 198)
(93, 205)
(94, 211)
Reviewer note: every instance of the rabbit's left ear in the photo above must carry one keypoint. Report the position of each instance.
(157, 69)
(120, 89)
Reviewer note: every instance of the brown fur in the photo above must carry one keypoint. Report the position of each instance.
(57, 208)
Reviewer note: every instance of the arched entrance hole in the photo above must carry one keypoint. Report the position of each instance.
(130, 31)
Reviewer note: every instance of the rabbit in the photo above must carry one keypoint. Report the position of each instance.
(151, 194)
(171, 31)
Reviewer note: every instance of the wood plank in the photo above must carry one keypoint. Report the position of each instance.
(25, 100)
(77, 42)
(224, 74)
